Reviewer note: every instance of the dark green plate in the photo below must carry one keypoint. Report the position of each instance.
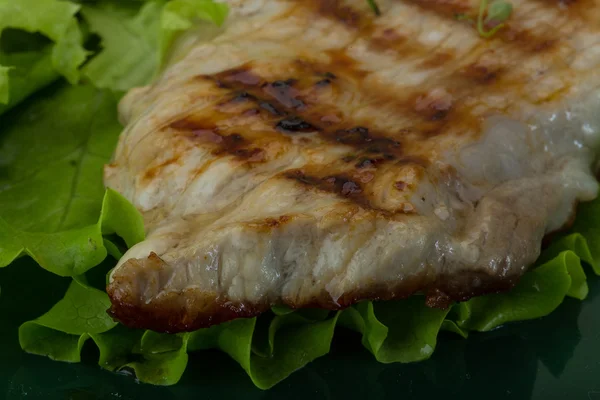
(557, 357)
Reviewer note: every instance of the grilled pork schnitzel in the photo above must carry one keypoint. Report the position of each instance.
(313, 154)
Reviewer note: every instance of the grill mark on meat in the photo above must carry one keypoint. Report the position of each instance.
(340, 61)
(323, 82)
(300, 104)
(520, 40)
(295, 105)
(437, 60)
(152, 172)
(269, 224)
(482, 74)
(361, 138)
(252, 155)
(513, 38)
(302, 98)
(241, 76)
(243, 96)
(295, 125)
(362, 24)
(389, 38)
(335, 184)
(365, 163)
(186, 124)
(344, 14)
(270, 108)
(305, 106)
(412, 160)
(285, 93)
(221, 143)
(240, 98)
(528, 42)
(440, 111)
(342, 185)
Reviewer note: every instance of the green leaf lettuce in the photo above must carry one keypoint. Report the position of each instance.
(51, 193)
(135, 42)
(271, 347)
(62, 331)
(56, 21)
(24, 72)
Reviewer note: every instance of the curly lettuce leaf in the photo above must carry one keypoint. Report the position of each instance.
(130, 41)
(62, 331)
(587, 224)
(292, 341)
(181, 15)
(52, 153)
(451, 326)
(271, 347)
(51, 158)
(73, 252)
(135, 42)
(55, 20)
(161, 359)
(23, 73)
(397, 331)
(537, 294)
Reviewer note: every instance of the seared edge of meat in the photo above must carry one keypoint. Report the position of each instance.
(193, 309)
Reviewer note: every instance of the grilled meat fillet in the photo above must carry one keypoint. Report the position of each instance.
(314, 154)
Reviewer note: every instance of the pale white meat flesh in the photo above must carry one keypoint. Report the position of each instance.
(313, 154)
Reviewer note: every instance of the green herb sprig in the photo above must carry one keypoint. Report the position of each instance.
(497, 12)
(374, 7)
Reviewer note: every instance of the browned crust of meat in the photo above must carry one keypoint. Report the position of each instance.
(174, 312)
(193, 309)
(178, 312)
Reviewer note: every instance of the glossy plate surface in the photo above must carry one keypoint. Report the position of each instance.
(557, 357)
